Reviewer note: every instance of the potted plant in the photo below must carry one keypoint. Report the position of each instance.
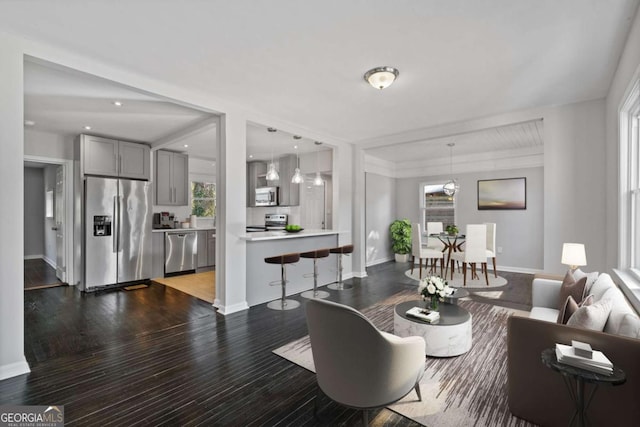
(452, 229)
(401, 239)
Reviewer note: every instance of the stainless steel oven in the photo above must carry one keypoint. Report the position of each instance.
(267, 196)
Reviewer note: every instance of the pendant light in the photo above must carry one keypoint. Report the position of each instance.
(318, 179)
(272, 173)
(297, 177)
(452, 186)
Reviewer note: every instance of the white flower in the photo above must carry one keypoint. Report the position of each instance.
(439, 284)
(431, 289)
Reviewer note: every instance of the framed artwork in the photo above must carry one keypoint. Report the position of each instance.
(502, 194)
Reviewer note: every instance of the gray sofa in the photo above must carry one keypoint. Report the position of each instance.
(538, 394)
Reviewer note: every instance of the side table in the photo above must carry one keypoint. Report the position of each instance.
(575, 379)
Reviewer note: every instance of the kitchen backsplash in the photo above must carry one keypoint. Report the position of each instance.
(255, 216)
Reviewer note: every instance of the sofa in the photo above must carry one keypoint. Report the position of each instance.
(538, 394)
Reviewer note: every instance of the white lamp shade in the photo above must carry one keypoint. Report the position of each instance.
(573, 254)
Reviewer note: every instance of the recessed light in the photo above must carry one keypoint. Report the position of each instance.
(295, 147)
(117, 103)
(251, 156)
(186, 145)
(87, 128)
(29, 123)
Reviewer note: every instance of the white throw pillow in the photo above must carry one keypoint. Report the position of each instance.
(600, 286)
(619, 308)
(592, 316)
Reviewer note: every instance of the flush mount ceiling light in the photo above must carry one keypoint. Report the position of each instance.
(381, 77)
(272, 173)
(452, 186)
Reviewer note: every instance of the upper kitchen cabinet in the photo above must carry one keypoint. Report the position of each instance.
(289, 192)
(256, 172)
(172, 178)
(109, 157)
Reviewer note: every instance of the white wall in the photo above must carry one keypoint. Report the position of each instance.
(518, 232)
(50, 250)
(45, 144)
(628, 67)
(33, 212)
(380, 212)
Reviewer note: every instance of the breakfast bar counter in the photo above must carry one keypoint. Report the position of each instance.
(261, 245)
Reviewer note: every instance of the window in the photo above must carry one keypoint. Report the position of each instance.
(630, 180)
(436, 205)
(203, 199)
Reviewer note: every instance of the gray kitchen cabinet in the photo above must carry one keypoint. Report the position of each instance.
(172, 178)
(255, 178)
(202, 248)
(108, 157)
(157, 255)
(211, 248)
(289, 192)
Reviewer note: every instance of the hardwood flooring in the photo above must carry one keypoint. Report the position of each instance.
(157, 356)
(199, 285)
(38, 275)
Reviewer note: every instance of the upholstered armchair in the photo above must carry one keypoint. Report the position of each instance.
(356, 364)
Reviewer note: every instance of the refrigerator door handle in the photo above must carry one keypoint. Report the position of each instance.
(120, 167)
(114, 232)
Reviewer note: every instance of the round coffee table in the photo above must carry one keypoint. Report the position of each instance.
(449, 336)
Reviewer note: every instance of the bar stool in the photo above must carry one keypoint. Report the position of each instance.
(283, 260)
(340, 251)
(318, 253)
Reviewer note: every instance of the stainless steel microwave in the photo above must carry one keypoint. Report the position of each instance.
(267, 196)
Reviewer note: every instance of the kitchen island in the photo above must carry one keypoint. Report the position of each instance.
(261, 245)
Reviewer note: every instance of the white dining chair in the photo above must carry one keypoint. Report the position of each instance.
(422, 252)
(491, 244)
(434, 242)
(475, 251)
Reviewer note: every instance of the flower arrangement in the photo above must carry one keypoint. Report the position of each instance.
(435, 288)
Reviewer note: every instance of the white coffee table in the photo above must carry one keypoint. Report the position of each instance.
(449, 336)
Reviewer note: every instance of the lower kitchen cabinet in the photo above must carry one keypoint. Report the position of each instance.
(206, 248)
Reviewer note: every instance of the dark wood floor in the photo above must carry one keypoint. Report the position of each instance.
(157, 356)
(38, 274)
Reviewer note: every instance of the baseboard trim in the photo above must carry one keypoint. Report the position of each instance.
(224, 310)
(360, 274)
(51, 262)
(524, 270)
(34, 257)
(379, 261)
(14, 369)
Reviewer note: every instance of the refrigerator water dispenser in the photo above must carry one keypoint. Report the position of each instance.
(102, 225)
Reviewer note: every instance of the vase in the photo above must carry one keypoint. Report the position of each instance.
(435, 303)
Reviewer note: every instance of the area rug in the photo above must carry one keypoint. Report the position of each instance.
(458, 279)
(467, 390)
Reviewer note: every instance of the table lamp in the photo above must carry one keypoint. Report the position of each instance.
(573, 255)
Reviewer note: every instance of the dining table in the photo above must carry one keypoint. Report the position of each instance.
(452, 243)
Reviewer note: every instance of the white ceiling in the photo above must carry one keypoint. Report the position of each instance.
(303, 62)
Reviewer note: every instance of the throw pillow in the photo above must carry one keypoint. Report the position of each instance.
(588, 300)
(601, 286)
(591, 279)
(570, 307)
(571, 287)
(630, 326)
(593, 316)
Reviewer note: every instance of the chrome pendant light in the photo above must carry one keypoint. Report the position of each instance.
(272, 173)
(297, 177)
(452, 186)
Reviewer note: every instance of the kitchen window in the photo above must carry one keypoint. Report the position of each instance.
(436, 205)
(203, 199)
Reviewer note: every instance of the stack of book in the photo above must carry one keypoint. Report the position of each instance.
(423, 314)
(581, 356)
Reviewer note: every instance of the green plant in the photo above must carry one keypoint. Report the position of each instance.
(400, 236)
(451, 229)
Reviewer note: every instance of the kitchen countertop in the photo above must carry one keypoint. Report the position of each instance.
(164, 230)
(275, 235)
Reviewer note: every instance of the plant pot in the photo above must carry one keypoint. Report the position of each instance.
(402, 257)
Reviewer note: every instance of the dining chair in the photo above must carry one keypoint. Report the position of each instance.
(434, 242)
(357, 365)
(417, 250)
(491, 244)
(475, 251)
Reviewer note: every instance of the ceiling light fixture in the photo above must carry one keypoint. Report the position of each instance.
(318, 179)
(452, 186)
(297, 177)
(186, 145)
(381, 77)
(29, 123)
(117, 103)
(272, 173)
(87, 128)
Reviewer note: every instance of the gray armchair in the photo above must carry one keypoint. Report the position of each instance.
(356, 364)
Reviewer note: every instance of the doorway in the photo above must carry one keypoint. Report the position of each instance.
(47, 256)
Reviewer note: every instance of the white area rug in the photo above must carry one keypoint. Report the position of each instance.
(468, 390)
(457, 282)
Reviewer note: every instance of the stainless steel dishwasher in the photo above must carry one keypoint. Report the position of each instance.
(180, 252)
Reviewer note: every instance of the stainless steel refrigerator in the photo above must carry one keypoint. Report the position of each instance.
(118, 215)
